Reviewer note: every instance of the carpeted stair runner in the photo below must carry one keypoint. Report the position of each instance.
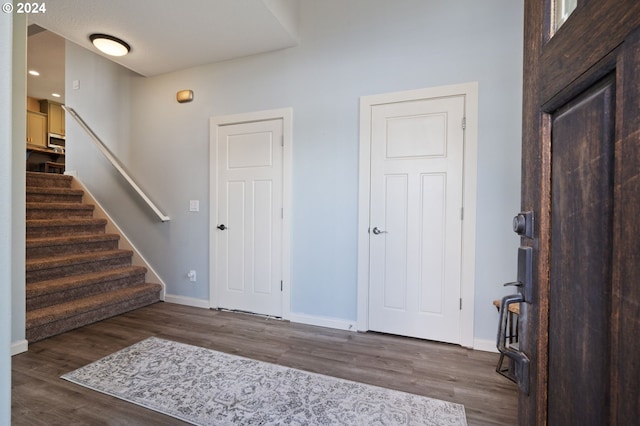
(75, 273)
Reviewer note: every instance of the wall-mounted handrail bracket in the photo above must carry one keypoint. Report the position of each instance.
(116, 164)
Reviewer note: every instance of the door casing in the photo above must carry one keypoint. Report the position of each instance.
(286, 115)
(470, 92)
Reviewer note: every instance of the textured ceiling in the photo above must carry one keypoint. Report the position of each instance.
(164, 35)
(168, 35)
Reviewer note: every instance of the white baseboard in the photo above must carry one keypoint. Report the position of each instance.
(485, 345)
(328, 322)
(319, 321)
(188, 301)
(19, 347)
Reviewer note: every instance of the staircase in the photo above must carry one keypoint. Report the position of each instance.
(75, 273)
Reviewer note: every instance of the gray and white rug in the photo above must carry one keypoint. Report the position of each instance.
(205, 387)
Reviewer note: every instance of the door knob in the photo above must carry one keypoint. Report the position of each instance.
(377, 231)
(221, 227)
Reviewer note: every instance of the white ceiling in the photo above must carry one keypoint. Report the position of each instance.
(167, 35)
(45, 54)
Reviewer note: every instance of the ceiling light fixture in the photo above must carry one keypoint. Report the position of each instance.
(34, 72)
(55, 95)
(110, 45)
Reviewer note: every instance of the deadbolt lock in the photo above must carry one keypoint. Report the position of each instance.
(523, 224)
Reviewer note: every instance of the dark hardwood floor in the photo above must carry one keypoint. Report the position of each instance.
(443, 371)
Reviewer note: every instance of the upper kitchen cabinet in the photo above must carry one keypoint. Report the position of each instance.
(55, 115)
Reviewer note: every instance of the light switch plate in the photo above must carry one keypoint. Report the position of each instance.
(194, 205)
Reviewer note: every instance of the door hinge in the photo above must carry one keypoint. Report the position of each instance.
(461, 213)
(282, 213)
(280, 285)
(464, 123)
(282, 140)
(461, 303)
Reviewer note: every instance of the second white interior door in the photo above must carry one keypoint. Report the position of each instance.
(249, 212)
(417, 150)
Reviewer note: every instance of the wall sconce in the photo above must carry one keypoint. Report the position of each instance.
(184, 96)
(110, 45)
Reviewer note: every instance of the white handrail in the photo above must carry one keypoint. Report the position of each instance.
(114, 161)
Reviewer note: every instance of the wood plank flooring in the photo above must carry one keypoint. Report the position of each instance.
(443, 371)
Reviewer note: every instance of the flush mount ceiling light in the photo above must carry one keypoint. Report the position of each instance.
(34, 73)
(110, 45)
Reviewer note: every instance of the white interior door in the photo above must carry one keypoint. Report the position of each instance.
(249, 217)
(416, 198)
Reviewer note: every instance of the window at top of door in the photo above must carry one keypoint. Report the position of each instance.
(562, 10)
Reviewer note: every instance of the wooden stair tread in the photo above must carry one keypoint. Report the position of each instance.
(76, 221)
(71, 239)
(48, 180)
(62, 311)
(47, 176)
(58, 205)
(76, 281)
(71, 259)
(53, 190)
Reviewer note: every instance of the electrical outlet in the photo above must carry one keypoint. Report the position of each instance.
(192, 275)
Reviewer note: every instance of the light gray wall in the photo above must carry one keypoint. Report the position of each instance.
(103, 100)
(5, 218)
(18, 183)
(347, 49)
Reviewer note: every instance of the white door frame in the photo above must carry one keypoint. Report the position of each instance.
(467, 291)
(286, 114)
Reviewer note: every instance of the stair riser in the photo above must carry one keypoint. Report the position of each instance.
(63, 296)
(71, 248)
(76, 269)
(51, 329)
(53, 231)
(53, 198)
(58, 213)
(54, 181)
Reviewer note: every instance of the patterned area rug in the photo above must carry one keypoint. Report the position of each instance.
(205, 387)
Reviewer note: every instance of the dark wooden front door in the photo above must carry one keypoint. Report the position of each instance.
(581, 178)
